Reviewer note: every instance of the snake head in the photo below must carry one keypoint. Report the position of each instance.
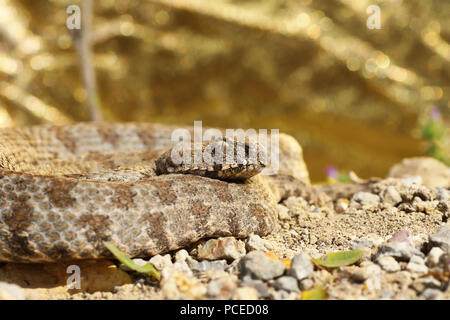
(222, 158)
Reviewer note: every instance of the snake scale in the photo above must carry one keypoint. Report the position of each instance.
(66, 189)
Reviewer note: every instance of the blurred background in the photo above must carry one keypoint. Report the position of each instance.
(356, 98)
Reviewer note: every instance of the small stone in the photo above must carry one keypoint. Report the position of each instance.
(366, 199)
(259, 285)
(433, 256)
(177, 282)
(222, 288)
(417, 265)
(160, 262)
(362, 274)
(259, 266)
(301, 266)
(286, 283)
(245, 293)
(387, 294)
(181, 255)
(441, 238)
(283, 295)
(9, 291)
(388, 264)
(228, 248)
(361, 244)
(283, 212)
(206, 265)
(255, 243)
(341, 205)
(415, 180)
(431, 294)
(442, 194)
(401, 251)
(423, 283)
(391, 196)
(306, 284)
(401, 236)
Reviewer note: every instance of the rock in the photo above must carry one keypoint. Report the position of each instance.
(206, 265)
(301, 266)
(417, 265)
(9, 291)
(442, 194)
(177, 282)
(391, 196)
(228, 248)
(306, 284)
(441, 238)
(341, 205)
(366, 199)
(286, 283)
(245, 293)
(414, 180)
(259, 285)
(433, 172)
(401, 251)
(423, 283)
(283, 212)
(160, 262)
(433, 256)
(362, 274)
(388, 264)
(401, 236)
(181, 255)
(431, 294)
(259, 266)
(222, 288)
(255, 243)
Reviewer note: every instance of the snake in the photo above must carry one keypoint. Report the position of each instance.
(66, 189)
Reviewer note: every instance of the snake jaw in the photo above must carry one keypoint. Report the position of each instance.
(223, 159)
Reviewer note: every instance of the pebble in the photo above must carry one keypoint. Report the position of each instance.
(245, 293)
(9, 291)
(306, 284)
(255, 243)
(388, 264)
(222, 288)
(442, 194)
(287, 283)
(362, 274)
(417, 265)
(391, 196)
(431, 294)
(366, 199)
(228, 248)
(341, 205)
(177, 282)
(206, 265)
(401, 251)
(160, 262)
(301, 266)
(259, 285)
(181, 255)
(433, 256)
(283, 212)
(259, 266)
(441, 238)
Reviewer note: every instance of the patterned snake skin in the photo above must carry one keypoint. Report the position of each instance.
(66, 189)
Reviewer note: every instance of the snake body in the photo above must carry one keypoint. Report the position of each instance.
(64, 190)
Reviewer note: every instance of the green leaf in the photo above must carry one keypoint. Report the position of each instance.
(318, 293)
(147, 269)
(340, 258)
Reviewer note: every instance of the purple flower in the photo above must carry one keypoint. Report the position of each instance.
(435, 113)
(331, 172)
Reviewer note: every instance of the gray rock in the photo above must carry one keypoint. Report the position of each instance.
(441, 238)
(160, 262)
(281, 295)
(206, 265)
(431, 294)
(301, 266)
(366, 199)
(286, 283)
(388, 263)
(259, 285)
(433, 256)
(401, 251)
(391, 196)
(306, 284)
(442, 194)
(387, 294)
(259, 266)
(222, 288)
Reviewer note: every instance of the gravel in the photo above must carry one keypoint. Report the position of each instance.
(286, 283)
(259, 266)
(441, 238)
(301, 266)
